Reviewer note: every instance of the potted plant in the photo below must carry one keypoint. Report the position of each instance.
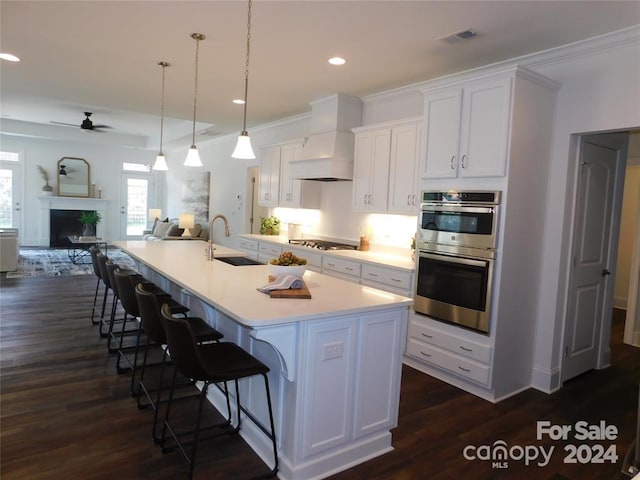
(89, 220)
(46, 189)
(270, 225)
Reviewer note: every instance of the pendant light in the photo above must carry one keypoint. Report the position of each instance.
(161, 163)
(243, 148)
(193, 158)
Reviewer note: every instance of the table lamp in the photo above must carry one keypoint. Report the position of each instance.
(186, 221)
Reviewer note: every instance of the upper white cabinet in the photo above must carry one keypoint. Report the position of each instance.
(277, 188)
(371, 170)
(296, 193)
(385, 175)
(403, 168)
(269, 184)
(467, 129)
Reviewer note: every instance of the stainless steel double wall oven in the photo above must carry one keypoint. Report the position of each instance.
(456, 247)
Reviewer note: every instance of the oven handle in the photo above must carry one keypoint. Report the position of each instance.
(426, 207)
(450, 259)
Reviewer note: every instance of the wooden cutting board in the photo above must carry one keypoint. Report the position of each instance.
(291, 292)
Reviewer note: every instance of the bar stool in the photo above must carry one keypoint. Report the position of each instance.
(104, 276)
(117, 336)
(211, 363)
(126, 281)
(94, 251)
(153, 326)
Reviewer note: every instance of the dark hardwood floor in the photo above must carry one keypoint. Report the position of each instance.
(65, 413)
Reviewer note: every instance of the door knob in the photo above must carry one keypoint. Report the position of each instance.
(605, 272)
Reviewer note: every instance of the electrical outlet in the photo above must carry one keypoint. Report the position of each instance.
(332, 350)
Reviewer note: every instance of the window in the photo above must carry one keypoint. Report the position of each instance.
(135, 167)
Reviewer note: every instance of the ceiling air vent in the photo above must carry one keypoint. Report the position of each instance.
(458, 36)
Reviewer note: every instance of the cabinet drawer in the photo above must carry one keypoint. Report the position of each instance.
(313, 259)
(449, 361)
(387, 276)
(458, 345)
(270, 249)
(341, 266)
(248, 245)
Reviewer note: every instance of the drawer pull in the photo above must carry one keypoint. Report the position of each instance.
(466, 370)
(427, 336)
(373, 274)
(329, 264)
(466, 349)
(425, 354)
(395, 280)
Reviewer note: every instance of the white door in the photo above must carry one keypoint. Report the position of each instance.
(590, 285)
(135, 198)
(10, 195)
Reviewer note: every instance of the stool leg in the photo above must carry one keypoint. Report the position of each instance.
(95, 302)
(273, 429)
(194, 447)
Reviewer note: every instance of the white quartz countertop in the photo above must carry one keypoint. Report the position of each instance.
(377, 257)
(232, 289)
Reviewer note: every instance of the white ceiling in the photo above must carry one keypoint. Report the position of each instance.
(101, 56)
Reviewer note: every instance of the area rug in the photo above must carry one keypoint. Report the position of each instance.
(55, 262)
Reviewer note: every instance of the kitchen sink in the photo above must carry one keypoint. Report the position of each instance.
(237, 261)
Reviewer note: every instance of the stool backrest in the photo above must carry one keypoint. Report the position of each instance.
(111, 268)
(182, 346)
(102, 265)
(150, 315)
(94, 251)
(126, 283)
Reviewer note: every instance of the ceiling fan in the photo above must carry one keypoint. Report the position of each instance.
(86, 124)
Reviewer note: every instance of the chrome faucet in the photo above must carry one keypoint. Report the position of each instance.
(227, 233)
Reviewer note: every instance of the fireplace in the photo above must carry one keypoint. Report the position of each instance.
(62, 225)
(65, 212)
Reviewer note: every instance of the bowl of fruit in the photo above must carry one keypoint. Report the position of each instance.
(287, 263)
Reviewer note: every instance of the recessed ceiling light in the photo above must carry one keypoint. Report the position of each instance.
(337, 61)
(238, 101)
(9, 57)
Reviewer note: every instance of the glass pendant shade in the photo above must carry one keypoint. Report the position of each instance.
(161, 163)
(193, 158)
(243, 150)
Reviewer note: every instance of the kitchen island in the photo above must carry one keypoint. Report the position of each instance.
(335, 359)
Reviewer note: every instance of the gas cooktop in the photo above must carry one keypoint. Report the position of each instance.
(322, 244)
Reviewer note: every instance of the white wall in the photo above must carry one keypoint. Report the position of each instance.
(599, 93)
(105, 162)
(626, 245)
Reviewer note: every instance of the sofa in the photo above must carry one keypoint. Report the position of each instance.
(169, 230)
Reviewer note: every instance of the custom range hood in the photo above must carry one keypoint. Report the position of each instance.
(327, 155)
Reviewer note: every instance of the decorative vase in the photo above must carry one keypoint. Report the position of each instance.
(47, 189)
(88, 230)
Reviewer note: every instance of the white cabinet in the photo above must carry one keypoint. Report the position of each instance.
(385, 173)
(403, 169)
(269, 183)
(277, 188)
(371, 170)
(314, 259)
(267, 251)
(466, 129)
(250, 247)
(389, 279)
(296, 193)
(464, 357)
(341, 268)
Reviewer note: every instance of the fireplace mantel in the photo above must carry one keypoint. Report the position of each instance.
(50, 202)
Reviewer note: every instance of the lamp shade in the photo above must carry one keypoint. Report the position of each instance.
(161, 163)
(193, 158)
(186, 221)
(155, 213)
(243, 150)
